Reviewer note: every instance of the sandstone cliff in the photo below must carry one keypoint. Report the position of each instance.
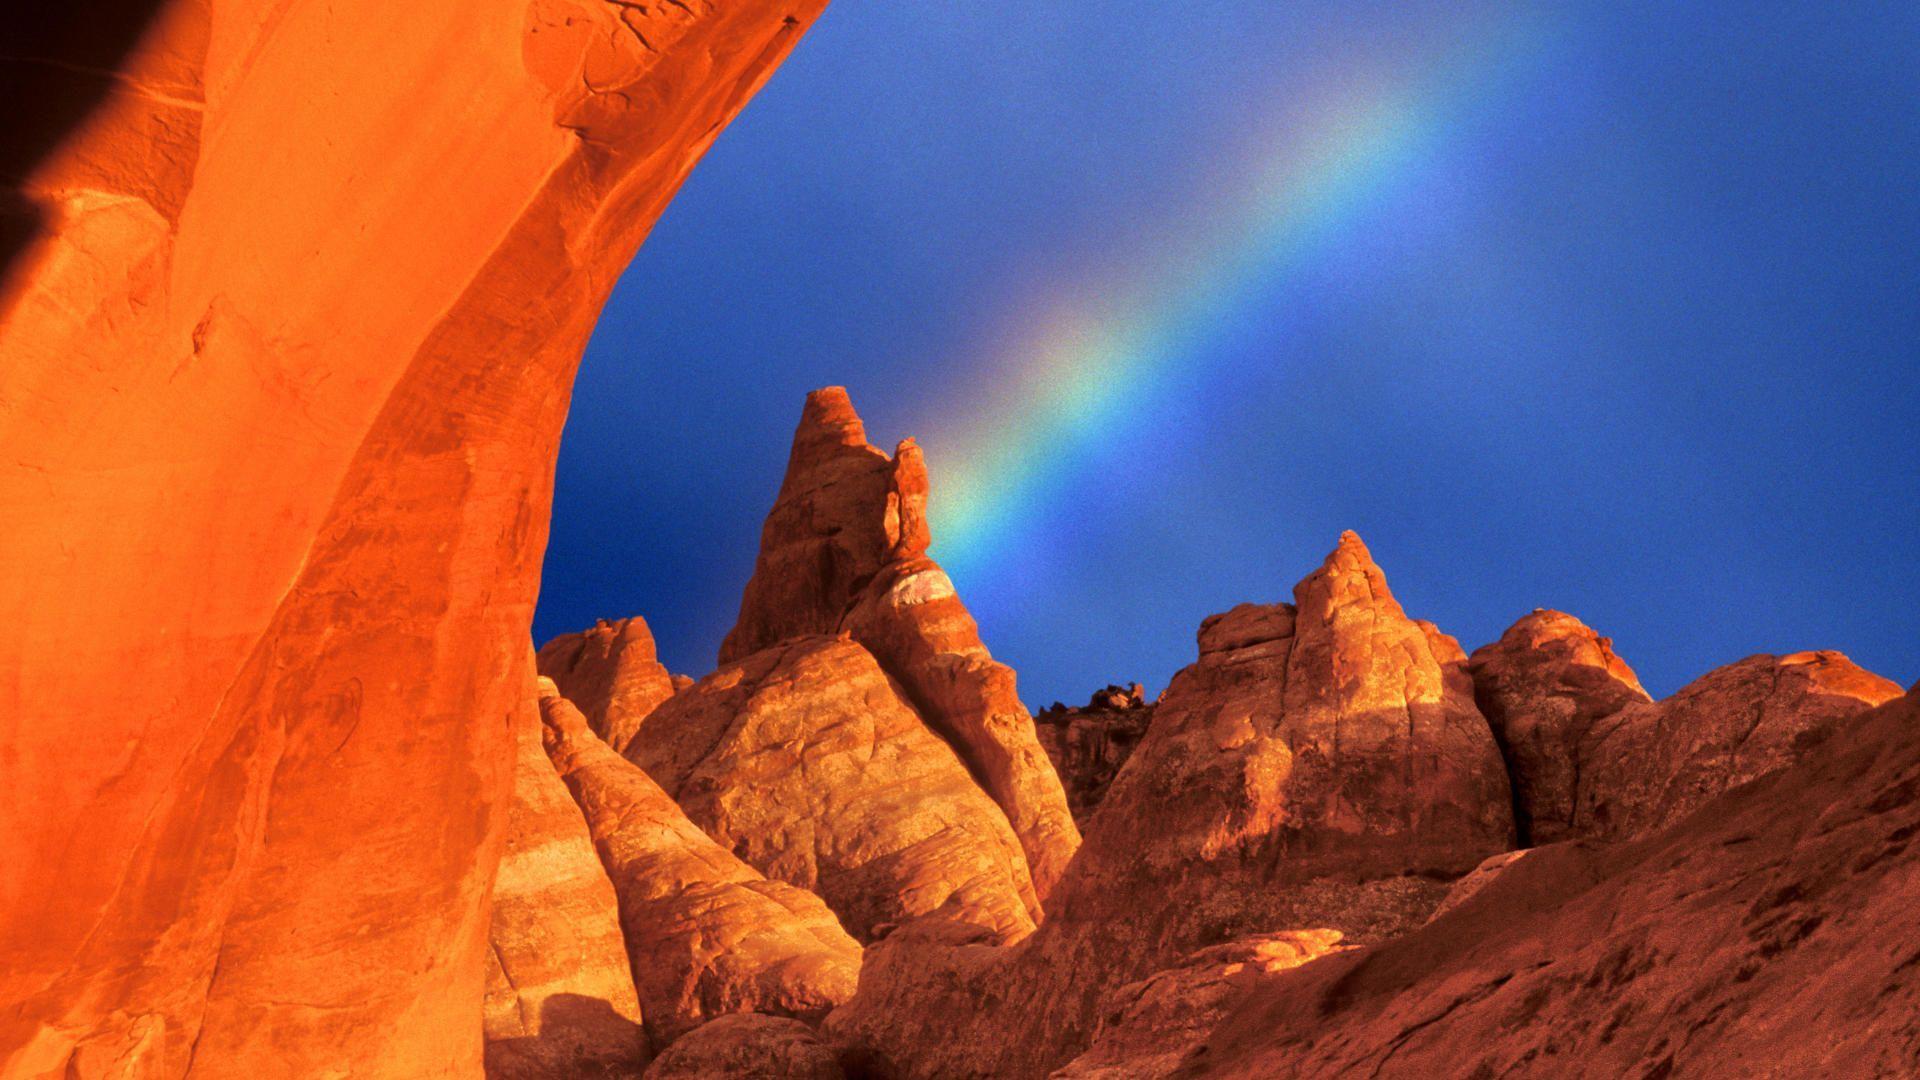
(706, 934)
(1772, 935)
(612, 674)
(1317, 765)
(1089, 744)
(560, 999)
(286, 355)
(843, 549)
(804, 760)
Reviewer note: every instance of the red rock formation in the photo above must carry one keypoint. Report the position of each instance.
(1652, 764)
(611, 673)
(705, 932)
(1292, 778)
(285, 368)
(1772, 935)
(560, 999)
(803, 760)
(843, 549)
(748, 1045)
(1088, 745)
(1543, 686)
(1148, 1027)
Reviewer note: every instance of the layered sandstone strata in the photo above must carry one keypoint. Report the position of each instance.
(844, 549)
(1318, 759)
(804, 760)
(1770, 935)
(560, 1000)
(612, 674)
(706, 934)
(287, 352)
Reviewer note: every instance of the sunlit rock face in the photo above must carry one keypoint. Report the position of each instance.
(1770, 934)
(560, 999)
(1544, 686)
(805, 760)
(612, 673)
(843, 550)
(706, 934)
(1652, 764)
(286, 356)
(1319, 767)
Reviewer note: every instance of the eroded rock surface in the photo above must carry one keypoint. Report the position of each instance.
(843, 550)
(1149, 1028)
(287, 356)
(1652, 764)
(748, 1046)
(1543, 687)
(1089, 744)
(804, 760)
(706, 934)
(1773, 935)
(1318, 759)
(612, 674)
(560, 999)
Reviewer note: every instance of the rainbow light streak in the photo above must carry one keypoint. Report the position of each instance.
(1075, 381)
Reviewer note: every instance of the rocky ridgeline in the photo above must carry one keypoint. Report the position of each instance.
(851, 851)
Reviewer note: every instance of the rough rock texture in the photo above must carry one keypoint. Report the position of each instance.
(1294, 777)
(705, 932)
(1148, 1027)
(1543, 687)
(1772, 935)
(843, 549)
(1088, 745)
(287, 349)
(804, 760)
(1652, 764)
(560, 999)
(612, 674)
(748, 1046)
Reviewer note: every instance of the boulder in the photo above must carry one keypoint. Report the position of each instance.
(612, 674)
(1543, 687)
(804, 760)
(560, 1000)
(706, 934)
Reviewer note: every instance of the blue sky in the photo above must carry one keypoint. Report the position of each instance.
(1583, 306)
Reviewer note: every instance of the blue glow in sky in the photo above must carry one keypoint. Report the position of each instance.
(1562, 306)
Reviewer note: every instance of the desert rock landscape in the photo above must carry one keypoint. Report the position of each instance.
(290, 792)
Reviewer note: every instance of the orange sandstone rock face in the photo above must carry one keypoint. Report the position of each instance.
(843, 549)
(706, 933)
(1544, 686)
(1650, 765)
(612, 674)
(281, 414)
(1314, 756)
(1148, 1027)
(804, 760)
(560, 999)
(748, 1045)
(1772, 934)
